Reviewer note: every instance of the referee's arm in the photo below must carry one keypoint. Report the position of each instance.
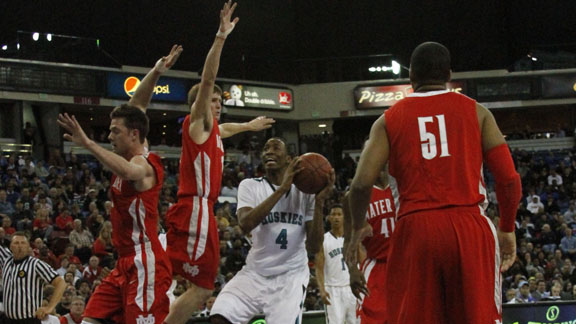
(60, 286)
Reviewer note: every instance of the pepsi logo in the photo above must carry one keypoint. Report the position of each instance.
(130, 85)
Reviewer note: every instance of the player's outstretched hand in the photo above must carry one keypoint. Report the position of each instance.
(260, 123)
(325, 297)
(226, 26)
(70, 124)
(327, 191)
(507, 242)
(358, 282)
(166, 62)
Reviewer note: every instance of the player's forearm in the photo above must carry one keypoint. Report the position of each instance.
(231, 129)
(320, 276)
(347, 221)
(359, 198)
(209, 74)
(315, 237)
(115, 163)
(59, 287)
(255, 216)
(143, 94)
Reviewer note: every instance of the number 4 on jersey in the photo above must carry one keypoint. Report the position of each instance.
(282, 239)
(429, 147)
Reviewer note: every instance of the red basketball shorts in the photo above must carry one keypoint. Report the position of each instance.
(444, 267)
(134, 292)
(193, 243)
(372, 309)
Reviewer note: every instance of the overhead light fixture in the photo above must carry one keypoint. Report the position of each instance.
(36, 36)
(322, 125)
(4, 47)
(17, 46)
(395, 67)
(49, 37)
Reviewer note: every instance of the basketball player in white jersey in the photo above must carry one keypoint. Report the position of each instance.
(285, 224)
(332, 273)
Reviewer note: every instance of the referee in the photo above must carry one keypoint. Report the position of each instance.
(23, 278)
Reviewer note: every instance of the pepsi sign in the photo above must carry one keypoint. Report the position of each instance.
(124, 85)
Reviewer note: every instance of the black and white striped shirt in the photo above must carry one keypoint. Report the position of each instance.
(23, 283)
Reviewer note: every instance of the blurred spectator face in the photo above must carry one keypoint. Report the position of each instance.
(2, 195)
(510, 294)
(84, 288)
(94, 262)
(2, 233)
(77, 225)
(64, 263)
(77, 306)
(67, 297)
(38, 243)
(525, 291)
(555, 291)
(69, 278)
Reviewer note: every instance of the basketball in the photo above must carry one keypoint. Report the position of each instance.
(313, 176)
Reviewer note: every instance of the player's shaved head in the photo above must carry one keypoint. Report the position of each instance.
(430, 64)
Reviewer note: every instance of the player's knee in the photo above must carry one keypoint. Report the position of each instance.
(219, 319)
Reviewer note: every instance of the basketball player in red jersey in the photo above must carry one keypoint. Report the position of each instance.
(135, 291)
(193, 244)
(444, 247)
(370, 279)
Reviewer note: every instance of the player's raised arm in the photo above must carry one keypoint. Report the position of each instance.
(255, 125)
(372, 161)
(201, 120)
(143, 94)
(136, 169)
(508, 184)
(319, 268)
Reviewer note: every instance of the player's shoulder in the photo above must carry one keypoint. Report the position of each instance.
(252, 182)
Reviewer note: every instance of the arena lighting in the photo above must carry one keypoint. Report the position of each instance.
(17, 46)
(322, 125)
(395, 68)
(36, 36)
(4, 47)
(49, 37)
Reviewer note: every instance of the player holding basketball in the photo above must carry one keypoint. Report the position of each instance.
(332, 273)
(193, 244)
(285, 223)
(135, 291)
(371, 277)
(436, 141)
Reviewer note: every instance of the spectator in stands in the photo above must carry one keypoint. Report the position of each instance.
(63, 307)
(510, 296)
(523, 296)
(540, 292)
(569, 214)
(568, 244)
(526, 230)
(76, 309)
(6, 207)
(41, 171)
(103, 247)
(4, 241)
(84, 289)
(11, 195)
(82, 241)
(229, 190)
(42, 225)
(95, 220)
(554, 176)
(64, 262)
(547, 239)
(535, 206)
(7, 225)
(92, 197)
(64, 221)
(69, 253)
(22, 217)
(93, 271)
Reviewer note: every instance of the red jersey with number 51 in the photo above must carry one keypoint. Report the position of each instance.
(436, 151)
(381, 215)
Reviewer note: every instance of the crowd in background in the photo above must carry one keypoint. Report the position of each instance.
(64, 206)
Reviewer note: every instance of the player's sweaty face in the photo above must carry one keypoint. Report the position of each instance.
(274, 154)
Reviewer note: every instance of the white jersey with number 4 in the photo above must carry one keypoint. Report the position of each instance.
(279, 241)
(335, 270)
